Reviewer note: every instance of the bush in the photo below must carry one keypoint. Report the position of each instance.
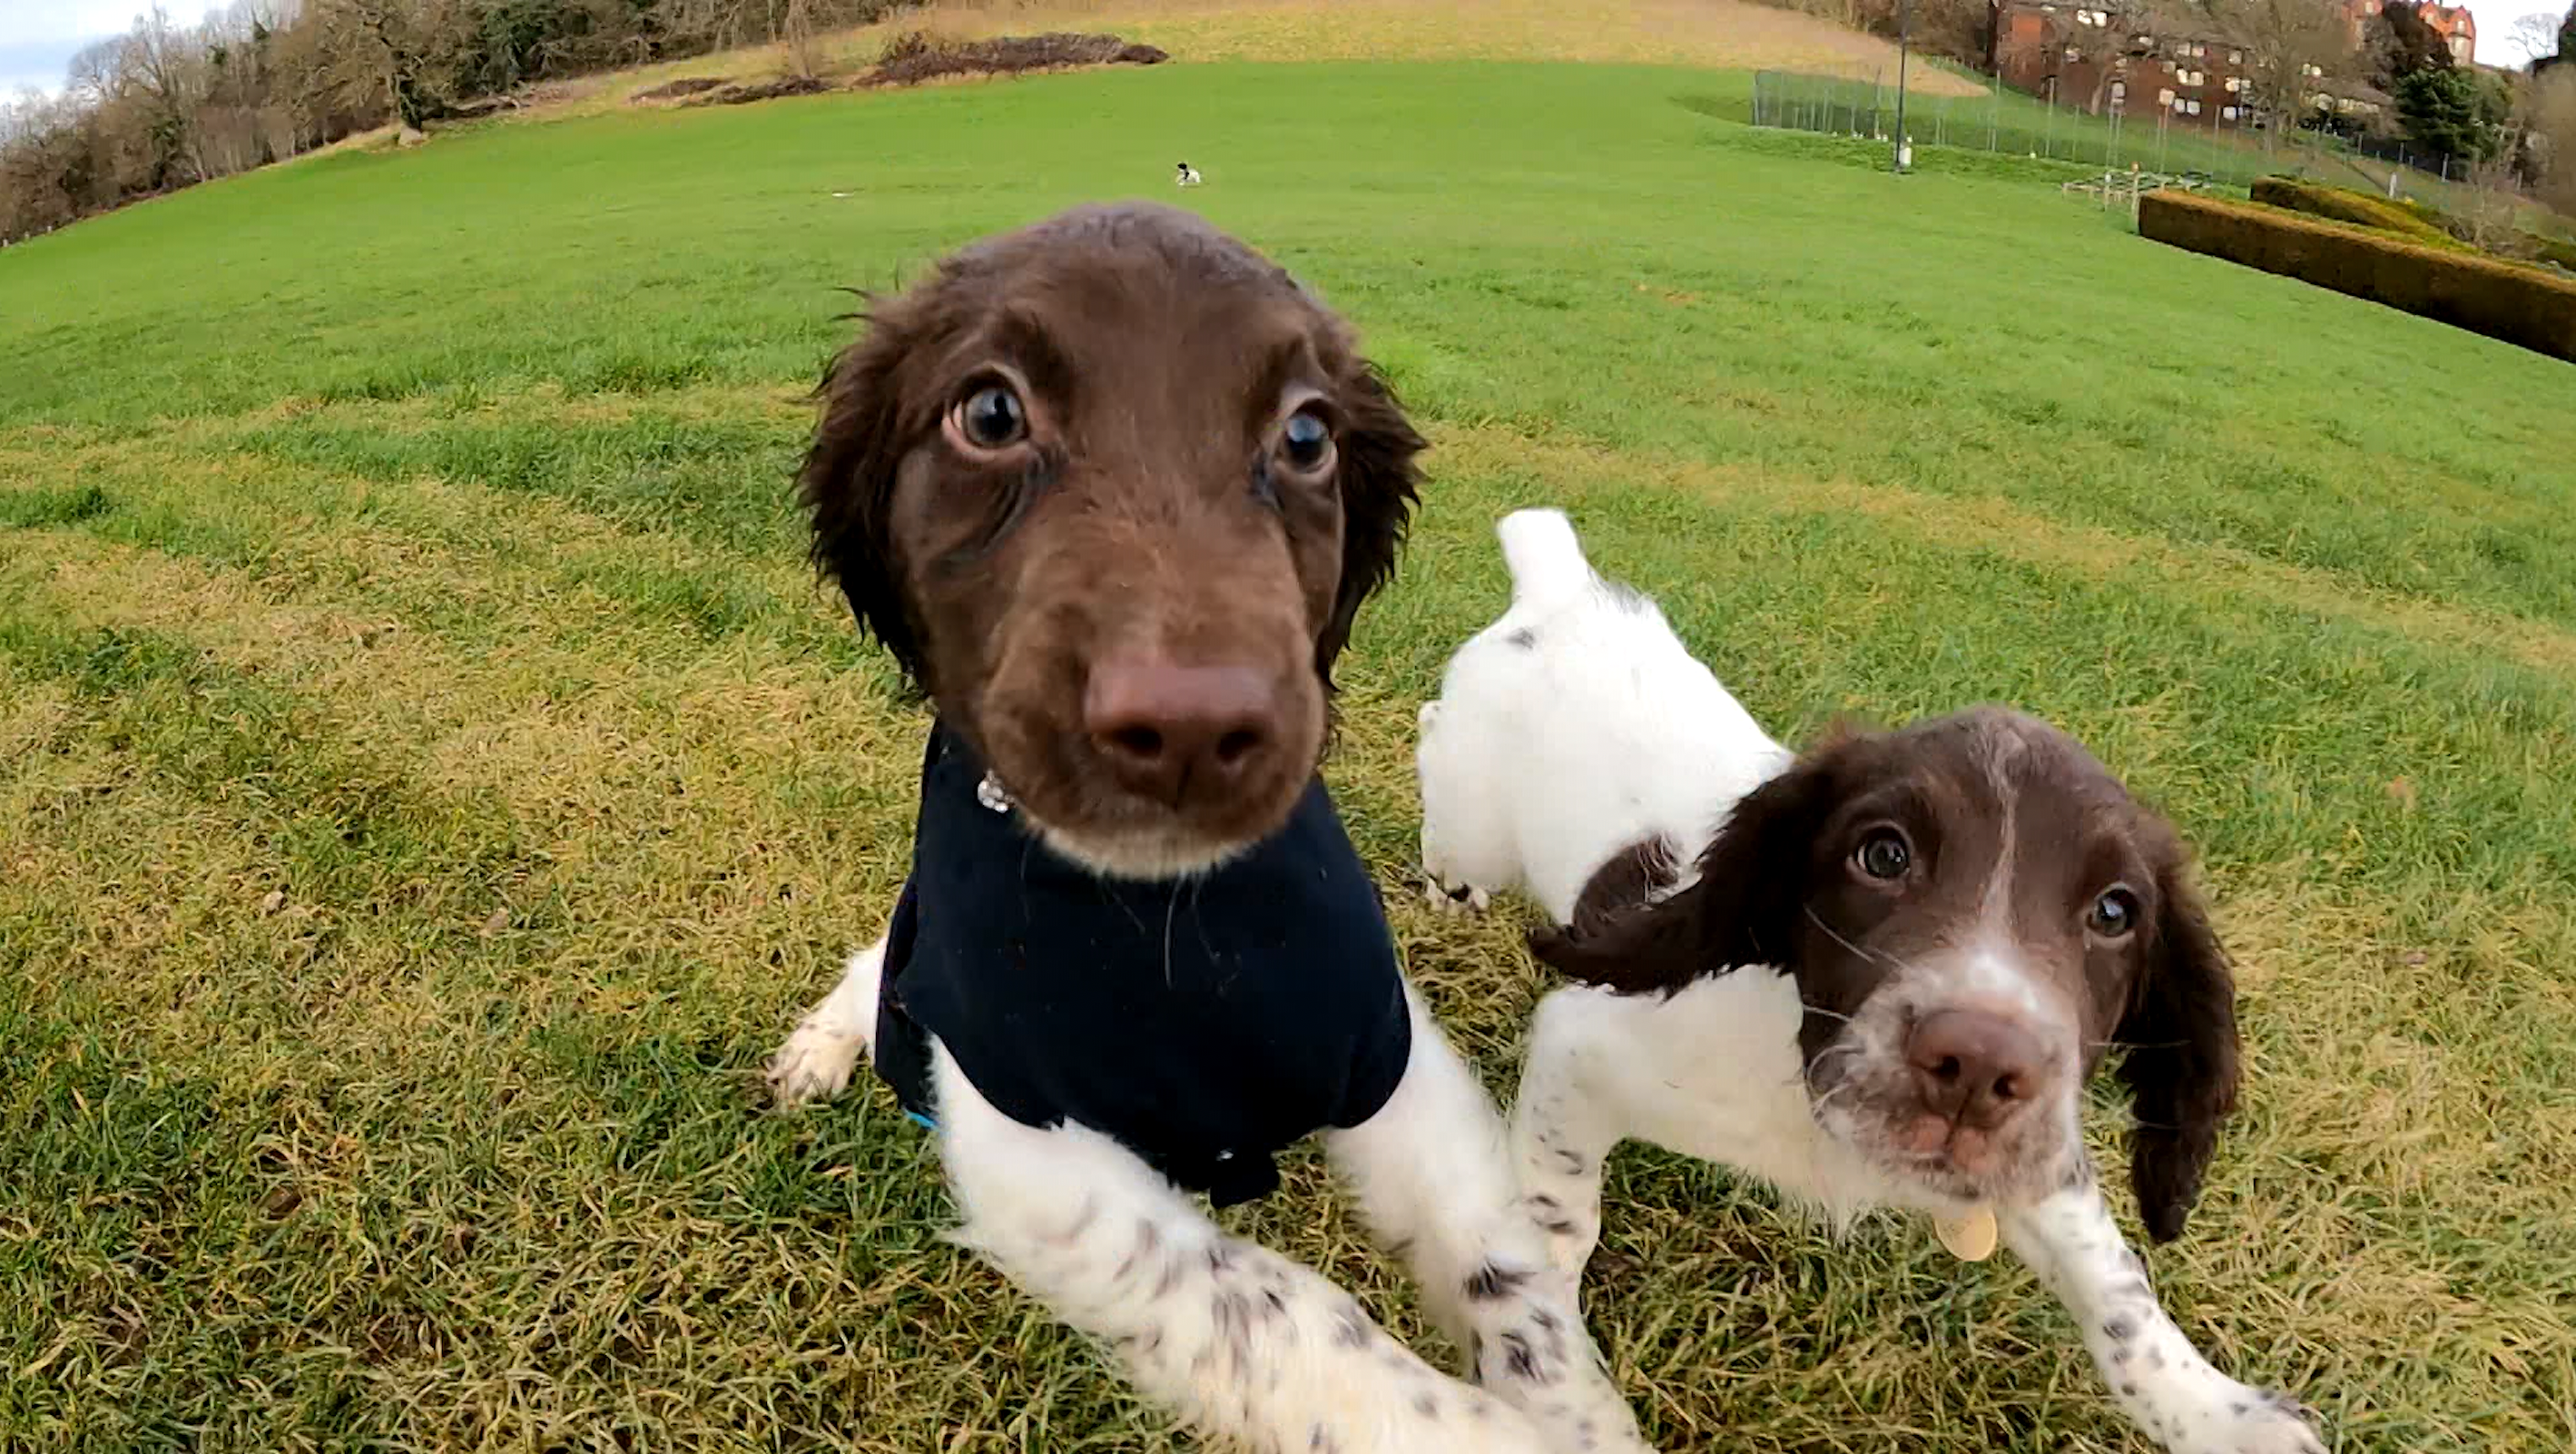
(2345, 205)
(2516, 304)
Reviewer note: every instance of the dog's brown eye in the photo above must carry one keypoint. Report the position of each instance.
(1307, 441)
(2113, 915)
(992, 417)
(1883, 855)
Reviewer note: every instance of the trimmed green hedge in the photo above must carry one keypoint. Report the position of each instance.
(2517, 304)
(2344, 205)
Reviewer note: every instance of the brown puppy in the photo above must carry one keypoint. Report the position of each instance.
(1112, 489)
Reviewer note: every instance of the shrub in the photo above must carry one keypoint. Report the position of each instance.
(2345, 205)
(2516, 304)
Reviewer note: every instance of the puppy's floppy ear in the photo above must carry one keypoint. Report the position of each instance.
(1743, 909)
(2183, 1064)
(847, 482)
(1378, 480)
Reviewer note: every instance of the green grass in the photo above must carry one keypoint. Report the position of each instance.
(429, 781)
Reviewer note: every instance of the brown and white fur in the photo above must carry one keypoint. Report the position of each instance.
(1112, 489)
(1877, 974)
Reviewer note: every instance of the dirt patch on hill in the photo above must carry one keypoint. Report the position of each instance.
(912, 59)
(740, 92)
(917, 58)
(674, 90)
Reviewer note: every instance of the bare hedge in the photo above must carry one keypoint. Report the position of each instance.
(2516, 304)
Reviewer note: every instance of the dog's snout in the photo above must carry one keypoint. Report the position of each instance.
(1975, 1068)
(1168, 730)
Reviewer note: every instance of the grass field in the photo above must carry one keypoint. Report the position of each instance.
(430, 782)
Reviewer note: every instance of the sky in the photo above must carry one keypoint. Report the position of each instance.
(37, 37)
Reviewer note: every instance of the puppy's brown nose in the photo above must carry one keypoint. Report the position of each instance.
(1171, 731)
(1975, 1068)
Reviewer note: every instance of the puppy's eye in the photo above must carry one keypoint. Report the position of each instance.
(1306, 442)
(1883, 855)
(2113, 915)
(992, 417)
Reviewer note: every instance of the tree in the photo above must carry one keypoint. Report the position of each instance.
(2453, 111)
(395, 53)
(2400, 44)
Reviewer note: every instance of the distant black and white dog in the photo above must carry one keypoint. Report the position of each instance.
(1186, 176)
(1878, 974)
(1112, 489)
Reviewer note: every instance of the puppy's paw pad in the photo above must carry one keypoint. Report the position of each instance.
(814, 1064)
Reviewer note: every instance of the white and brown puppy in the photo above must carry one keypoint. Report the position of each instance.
(1877, 974)
(1112, 489)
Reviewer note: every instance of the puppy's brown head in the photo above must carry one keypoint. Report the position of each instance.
(1111, 489)
(1974, 910)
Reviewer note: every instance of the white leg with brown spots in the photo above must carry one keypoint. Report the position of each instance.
(1234, 1339)
(2159, 1379)
(1432, 1179)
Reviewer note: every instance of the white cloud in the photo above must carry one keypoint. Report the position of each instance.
(39, 37)
(66, 22)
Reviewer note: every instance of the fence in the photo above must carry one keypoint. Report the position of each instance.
(1862, 102)
(2440, 163)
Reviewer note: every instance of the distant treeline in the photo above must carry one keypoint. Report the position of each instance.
(166, 106)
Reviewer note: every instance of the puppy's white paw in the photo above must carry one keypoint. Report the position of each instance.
(815, 1063)
(1465, 899)
(2250, 1421)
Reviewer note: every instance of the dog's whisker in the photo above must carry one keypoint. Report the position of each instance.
(1835, 935)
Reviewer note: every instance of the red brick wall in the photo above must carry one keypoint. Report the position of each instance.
(2111, 72)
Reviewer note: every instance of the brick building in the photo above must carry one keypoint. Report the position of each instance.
(2094, 60)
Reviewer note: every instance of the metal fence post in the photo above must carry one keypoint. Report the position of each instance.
(1904, 36)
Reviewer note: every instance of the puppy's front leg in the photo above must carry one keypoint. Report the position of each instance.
(1564, 1124)
(816, 1060)
(1235, 1339)
(1432, 1177)
(2160, 1380)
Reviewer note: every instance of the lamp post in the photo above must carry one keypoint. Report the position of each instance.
(1904, 32)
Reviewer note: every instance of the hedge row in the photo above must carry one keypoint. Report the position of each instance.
(2517, 304)
(2345, 205)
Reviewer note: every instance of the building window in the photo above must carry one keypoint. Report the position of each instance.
(2236, 58)
(2311, 71)
(2227, 113)
(2234, 85)
(2189, 78)
(2164, 98)
(2119, 93)
(2072, 55)
(2192, 105)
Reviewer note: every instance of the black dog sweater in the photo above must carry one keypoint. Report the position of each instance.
(1204, 1023)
